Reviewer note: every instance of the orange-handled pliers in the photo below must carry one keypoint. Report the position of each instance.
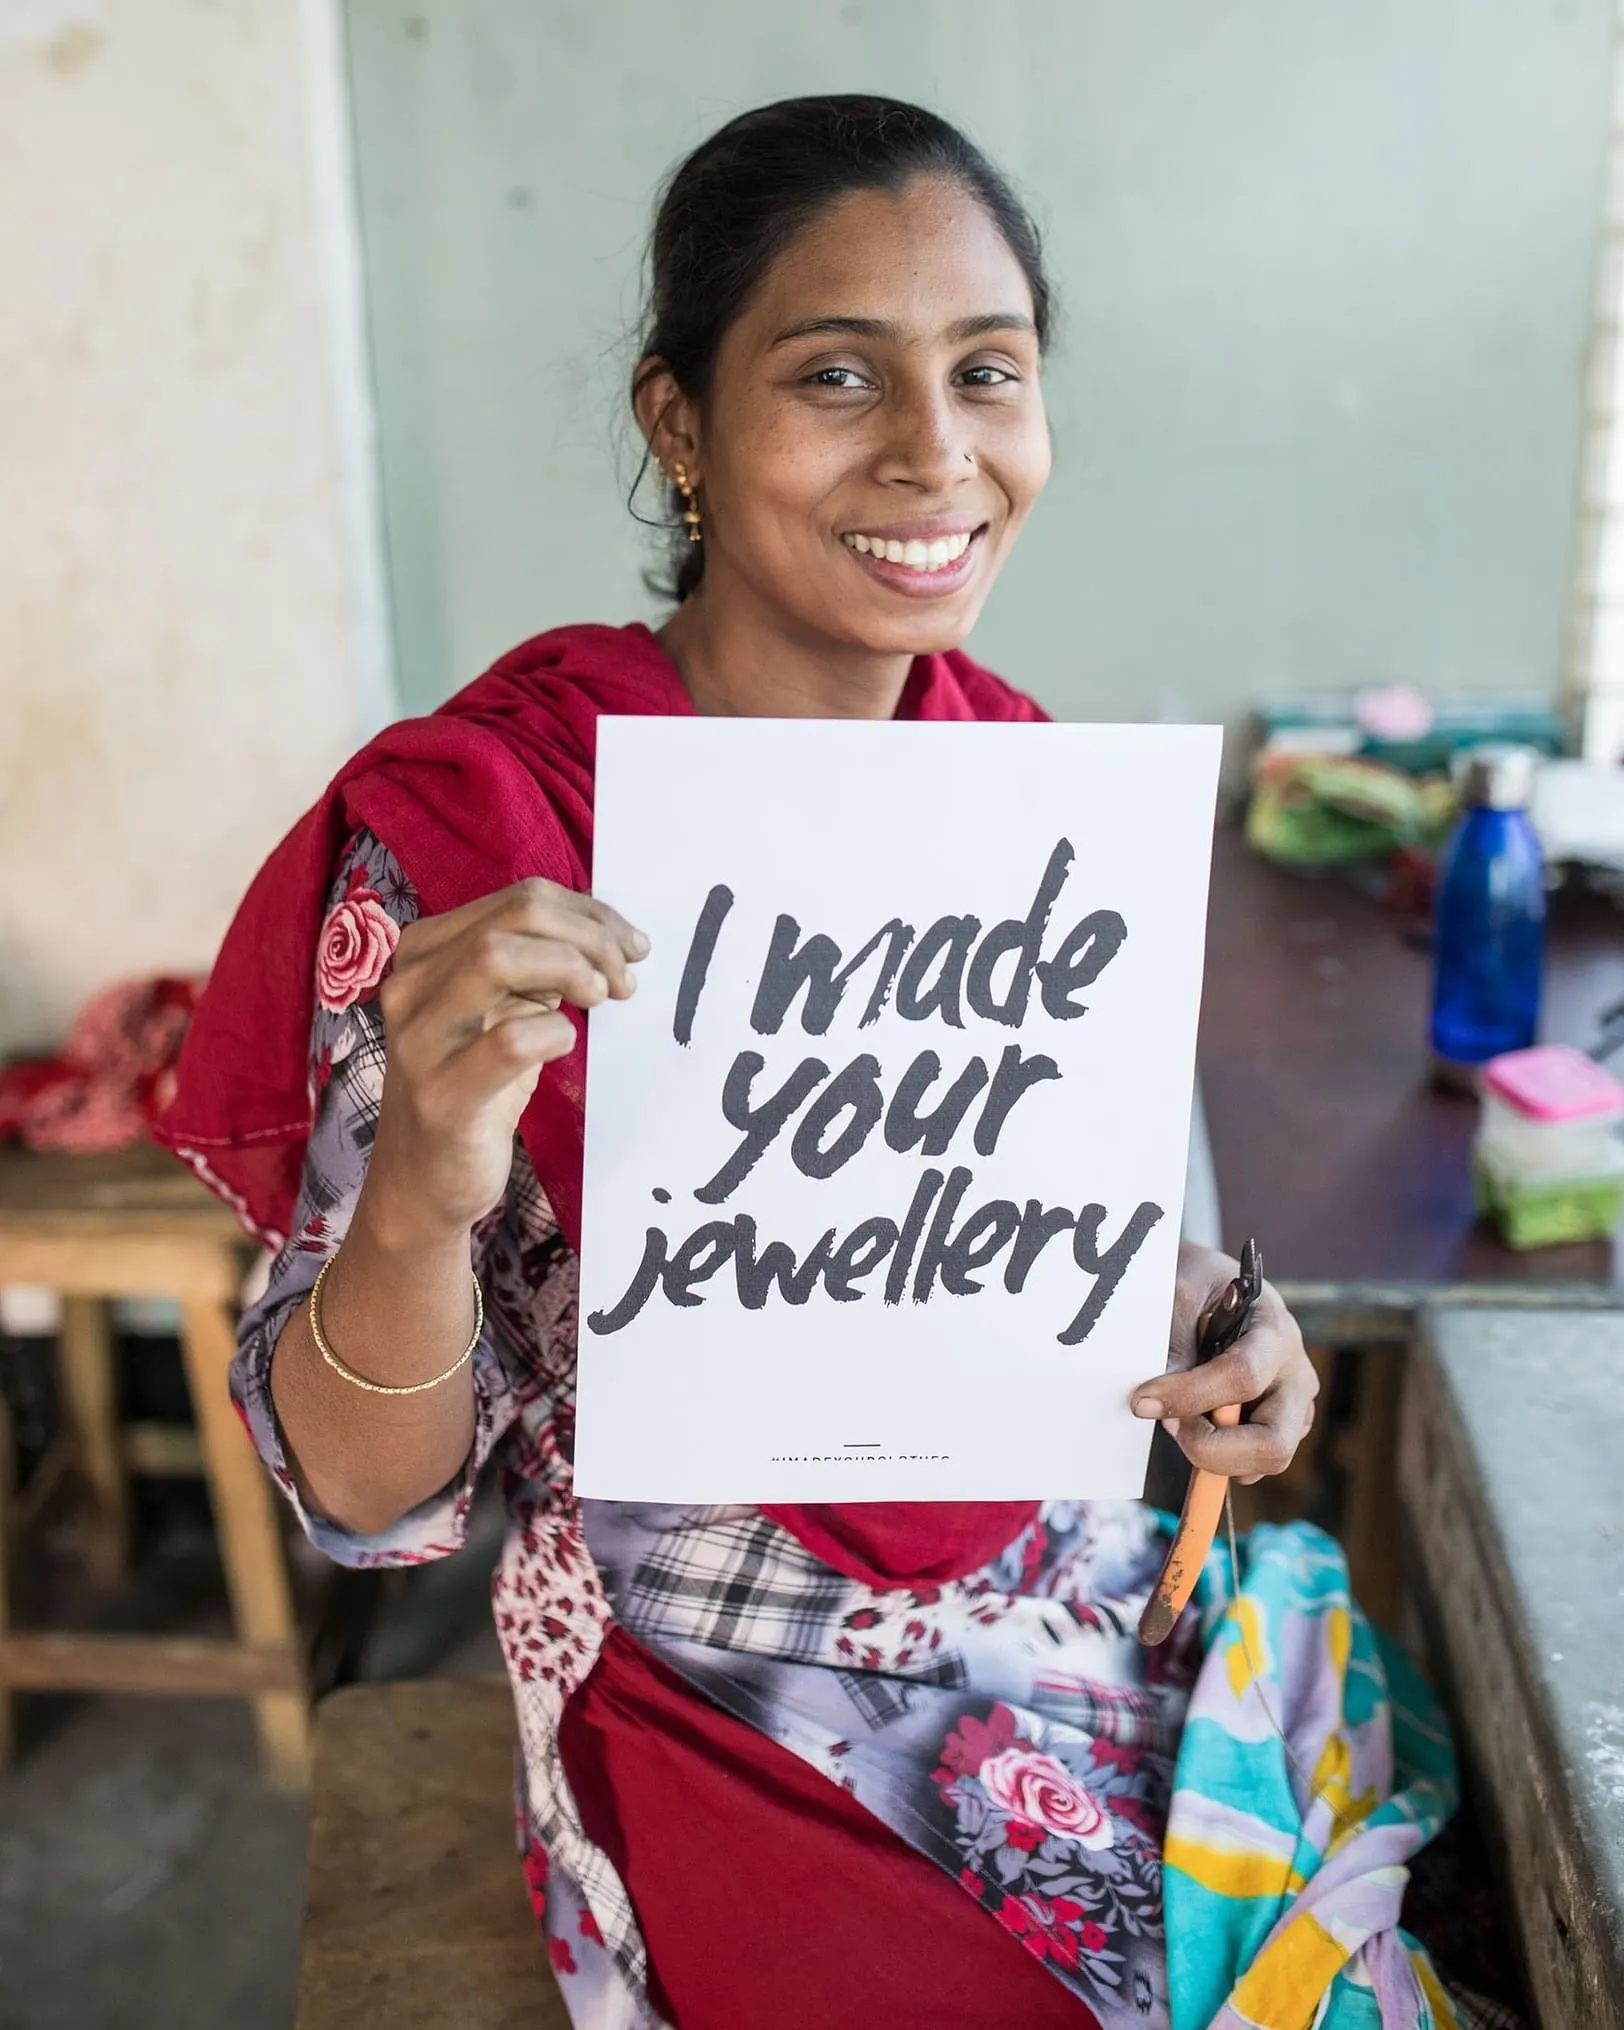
(1204, 1497)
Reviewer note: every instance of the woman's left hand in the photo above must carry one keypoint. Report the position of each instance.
(1266, 1370)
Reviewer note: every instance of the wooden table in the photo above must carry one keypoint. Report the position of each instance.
(138, 1224)
(1330, 1144)
(1333, 1148)
(416, 1917)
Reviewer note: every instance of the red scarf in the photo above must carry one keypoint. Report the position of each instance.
(493, 787)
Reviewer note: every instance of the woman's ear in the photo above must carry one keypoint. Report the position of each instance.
(667, 419)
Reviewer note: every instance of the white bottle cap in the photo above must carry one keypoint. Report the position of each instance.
(1499, 777)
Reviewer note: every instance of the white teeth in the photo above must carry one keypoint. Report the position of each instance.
(917, 554)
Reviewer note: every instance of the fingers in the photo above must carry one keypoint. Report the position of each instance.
(495, 973)
(509, 1056)
(514, 1051)
(1265, 1444)
(457, 974)
(427, 933)
(1267, 1370)
(1270, 1344)
(476, 1002)
(536, 909)
(1203, 1277)
(1243, 1375)
(544, 908)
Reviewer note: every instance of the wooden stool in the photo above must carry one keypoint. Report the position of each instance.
(416, 1916)
(139, 1224)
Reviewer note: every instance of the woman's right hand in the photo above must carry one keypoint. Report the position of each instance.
(472, 1010)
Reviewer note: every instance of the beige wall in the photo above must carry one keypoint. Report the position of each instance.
(189, 638)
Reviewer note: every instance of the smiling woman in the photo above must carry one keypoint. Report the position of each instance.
(843, 372)
(792, 1766)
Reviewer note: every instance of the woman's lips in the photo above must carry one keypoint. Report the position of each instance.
(922, 578)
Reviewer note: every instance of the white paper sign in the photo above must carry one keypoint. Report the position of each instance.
(885, 1158)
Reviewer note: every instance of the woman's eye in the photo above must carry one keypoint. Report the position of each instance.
(987, 376)
(838, 377)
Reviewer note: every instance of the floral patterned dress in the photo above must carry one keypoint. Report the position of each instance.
(1006, 1725)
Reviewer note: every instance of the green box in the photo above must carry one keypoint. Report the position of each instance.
(1550, 1211)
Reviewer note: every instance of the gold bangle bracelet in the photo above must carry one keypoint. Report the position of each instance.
(386, 1388)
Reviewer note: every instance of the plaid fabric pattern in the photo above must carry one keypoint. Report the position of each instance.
(1476, 2012)
(358, 1075)
(734, 1580)
(731, 1581)
(1134, 1715)
(881, 1701)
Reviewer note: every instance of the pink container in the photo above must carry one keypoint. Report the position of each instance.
(1550, 1112)
(1553, 1082)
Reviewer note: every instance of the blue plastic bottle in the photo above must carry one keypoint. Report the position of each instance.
(1489, 950)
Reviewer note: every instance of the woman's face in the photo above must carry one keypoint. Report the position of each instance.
(874, 434)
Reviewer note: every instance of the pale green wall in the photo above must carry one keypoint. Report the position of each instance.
(1326, 267)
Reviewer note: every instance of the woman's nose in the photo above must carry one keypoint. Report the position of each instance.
(925, 444)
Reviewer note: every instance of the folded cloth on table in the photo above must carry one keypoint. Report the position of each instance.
(1316, 810)
(112, 1074)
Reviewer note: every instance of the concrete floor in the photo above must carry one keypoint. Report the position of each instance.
(148, 1880)
(146, 1877)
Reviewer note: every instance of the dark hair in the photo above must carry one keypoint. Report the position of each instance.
(732, 207)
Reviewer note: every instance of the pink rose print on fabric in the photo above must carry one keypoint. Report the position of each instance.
(1034, 1787)
(357, 942)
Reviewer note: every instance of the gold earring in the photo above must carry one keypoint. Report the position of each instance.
(690, 507)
